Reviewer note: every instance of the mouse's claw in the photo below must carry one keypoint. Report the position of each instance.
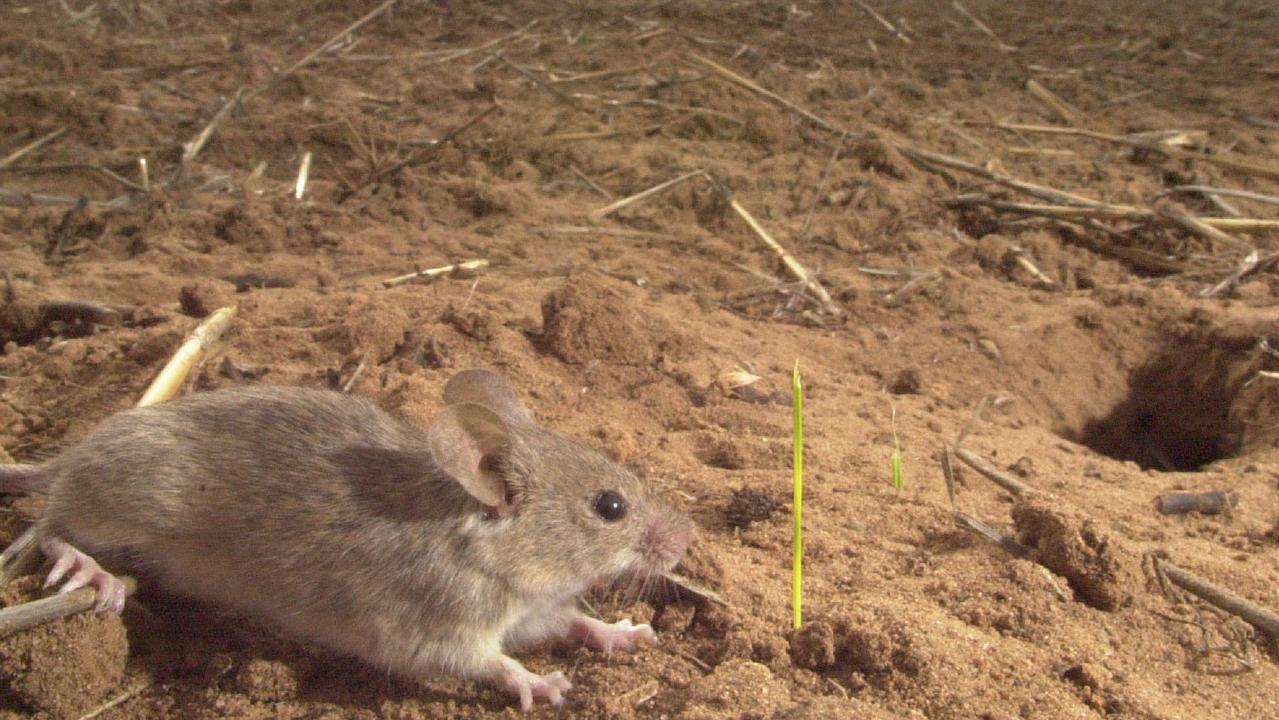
(621, 635)
(518, 680)
(85, 571)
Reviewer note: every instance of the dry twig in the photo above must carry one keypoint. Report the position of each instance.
(880, 19)
(1003, 47)
(821, 186)
(799, 271)
(193, 148)
(422, 153)
(432, 273)
(1063, 111)
(556, 92)
(1002, 479)
(20, 557)
(755, 88)
(311, 56)
(174, 373)
(611, 208)
(1228, 192)
(1260, 617)
(31, 147)
(304, 172)
(128, 694)
(1105, 211)
(38, 612)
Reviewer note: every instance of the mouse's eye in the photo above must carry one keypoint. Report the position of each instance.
(610, 506)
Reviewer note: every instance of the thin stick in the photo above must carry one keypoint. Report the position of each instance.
(432, 273)
(597, 75)
(170, 379)
(311, 56)
(793, 265)
(118, 700)
(13, 198)
(879, 18)
(1246, 267)
(1178, 216)
(1227, 192)
(425, 152)
(1260, 617)
(193, 148)
(58, 167)
(604, 134)
(769, 95)
(559, 94)
(303, 173)
(31, 147)
(611, 208)
(20, 557)
(602, 230)
(1063, 111)
(1003, 540)
(591, 183)
(462, 52)
(1004, 47)
(1108, 212)
(38, 612)
(1046, 193)
(355, 376)
(821, 185)
(1004, 480)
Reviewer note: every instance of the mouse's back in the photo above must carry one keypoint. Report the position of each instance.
(199, 466)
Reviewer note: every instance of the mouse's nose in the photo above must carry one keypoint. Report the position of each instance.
(666, 539)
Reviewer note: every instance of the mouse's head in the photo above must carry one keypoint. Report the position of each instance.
(561, 516)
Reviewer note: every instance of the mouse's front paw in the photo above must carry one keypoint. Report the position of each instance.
(621, 635)
(518, 680)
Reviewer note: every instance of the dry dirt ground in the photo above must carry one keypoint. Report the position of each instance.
(1079, 354)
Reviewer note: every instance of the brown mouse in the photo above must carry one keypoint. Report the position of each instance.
(422, 551)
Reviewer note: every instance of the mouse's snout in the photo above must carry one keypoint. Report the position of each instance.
(666, 538)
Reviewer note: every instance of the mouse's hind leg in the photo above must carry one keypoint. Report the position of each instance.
(84, 571)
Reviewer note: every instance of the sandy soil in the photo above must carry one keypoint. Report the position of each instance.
(1081, 359)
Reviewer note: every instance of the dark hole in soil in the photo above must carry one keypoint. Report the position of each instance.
(1179, 412)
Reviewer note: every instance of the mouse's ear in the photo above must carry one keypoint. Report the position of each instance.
(487, 388)
(466, 439)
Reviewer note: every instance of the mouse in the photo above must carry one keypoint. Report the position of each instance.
(421, 550)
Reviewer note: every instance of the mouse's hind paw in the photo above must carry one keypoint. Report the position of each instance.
(80, 570)
(528, 686)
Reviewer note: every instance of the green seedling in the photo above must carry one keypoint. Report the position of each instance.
(797, 543)
(895, 462)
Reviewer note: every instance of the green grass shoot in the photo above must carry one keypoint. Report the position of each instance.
(895, 462)
(797, 543)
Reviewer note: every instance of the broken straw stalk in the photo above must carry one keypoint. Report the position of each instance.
(21, 554)
(799, 271)
(431, 273)
(1105, 211)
